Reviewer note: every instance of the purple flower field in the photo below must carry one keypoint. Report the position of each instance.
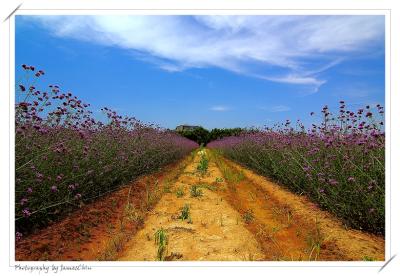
(339, 164)
(64, 156)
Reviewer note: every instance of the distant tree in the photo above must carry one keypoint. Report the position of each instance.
(199, 135)
(218, 133)
(203, 136)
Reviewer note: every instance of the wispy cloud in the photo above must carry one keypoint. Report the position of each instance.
(219, 108)
(296, 80)
(289, 44)
(280, 108)
(275, 108)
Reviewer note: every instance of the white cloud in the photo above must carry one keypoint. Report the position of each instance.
(276, 108)
(219, 108)
(280, 108)
(296, 80)
(289, 44)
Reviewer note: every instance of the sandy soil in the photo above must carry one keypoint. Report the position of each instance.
(216, 231)
(246, 217)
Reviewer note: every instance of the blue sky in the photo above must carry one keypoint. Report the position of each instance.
(214, 71)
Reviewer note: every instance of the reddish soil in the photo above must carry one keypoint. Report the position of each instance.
(335, 241)
(90, 232)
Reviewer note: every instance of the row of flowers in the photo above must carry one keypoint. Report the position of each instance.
(339, 163)
(65, 156)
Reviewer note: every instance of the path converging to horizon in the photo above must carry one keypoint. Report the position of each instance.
(203, 208)
(247, 218)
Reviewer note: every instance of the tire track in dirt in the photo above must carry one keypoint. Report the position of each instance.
(240, 216)
(245, 217)
(214, 232)
(278, 230)
(334, 241)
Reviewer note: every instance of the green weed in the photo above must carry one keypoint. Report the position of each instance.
(161, 241)
(179, 192)
(185, 212)
(248, 216)
(203, 164)
(368, 259)
(195, 191)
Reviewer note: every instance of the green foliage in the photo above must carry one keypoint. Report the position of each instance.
(206, 186)
(179, 192)
(161, 241)
(315, 241)
(218, 133)
(232, 175)
(368, 259)
(248, 216)
(195, 191)
(185, 213)
(203, 164)
(202, 136)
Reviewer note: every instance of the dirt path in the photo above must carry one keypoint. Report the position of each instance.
(242, 216)
(233, 214)
(215, 231)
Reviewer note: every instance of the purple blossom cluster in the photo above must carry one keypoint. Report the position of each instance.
(64, 156)
(339, 163)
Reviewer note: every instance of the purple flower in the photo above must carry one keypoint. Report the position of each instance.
(59, 177)
(29, 190)
(18, 236)
(351, 179)
(71, 187)
(26, 213)
(78, 196)
(24, 201)
(333, 182)
(53, 188)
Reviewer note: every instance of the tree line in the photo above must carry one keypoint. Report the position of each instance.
(204, 136)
